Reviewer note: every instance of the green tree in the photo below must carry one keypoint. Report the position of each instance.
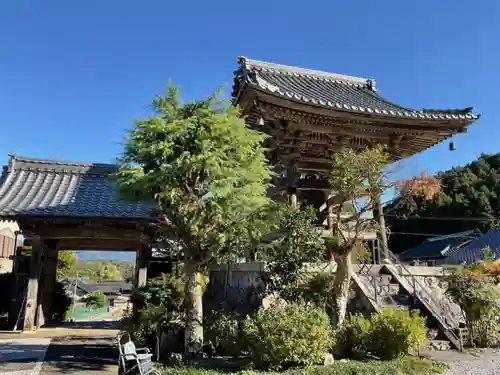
(95, 300)
(159, 306)
(478, 296)
(98, 271)
(207, 171)
(358, 179)
(296, 240)
(66, 263)
(472, 190)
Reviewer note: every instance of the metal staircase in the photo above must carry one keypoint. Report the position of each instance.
(378, 288)
(381, 292)
(447, 321)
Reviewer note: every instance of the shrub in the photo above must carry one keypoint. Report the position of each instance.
(96, 300)
(226, 332)
(291, 334)
(355, 336)
(318, 289)
(394, 332)
(388, 334)
(166, 293)
(407, 366)
(476, 294)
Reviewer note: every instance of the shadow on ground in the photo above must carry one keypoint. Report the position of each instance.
(22, 355)
(101, 324)
(75, 354)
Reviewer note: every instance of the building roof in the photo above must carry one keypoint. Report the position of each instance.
(334, 91)
(38, 187)
(107, 287)
(439, 247)
(474, 251)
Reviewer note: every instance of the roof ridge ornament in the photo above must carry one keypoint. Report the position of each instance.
(370, 85)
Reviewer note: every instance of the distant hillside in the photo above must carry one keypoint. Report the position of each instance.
(469, 199)
(106, 255)
(97, 269)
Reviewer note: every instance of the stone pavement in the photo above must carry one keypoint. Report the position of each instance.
(19, 356)
(81, 355)
(79, 349)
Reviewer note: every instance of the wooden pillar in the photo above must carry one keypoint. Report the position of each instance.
(18, 290)
(141, 264)
(31, 305)
(381, 233)
(48, 282)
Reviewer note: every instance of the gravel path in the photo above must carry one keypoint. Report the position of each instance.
(485, 362)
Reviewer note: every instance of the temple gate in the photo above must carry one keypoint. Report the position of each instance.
(63, 205)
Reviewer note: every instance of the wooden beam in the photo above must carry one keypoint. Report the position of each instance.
(105, 245)
(85, 233)
(393, 121)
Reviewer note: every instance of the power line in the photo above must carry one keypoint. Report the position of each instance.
(427, 234)
(456, 218)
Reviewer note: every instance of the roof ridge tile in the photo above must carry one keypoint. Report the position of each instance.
(250, 64)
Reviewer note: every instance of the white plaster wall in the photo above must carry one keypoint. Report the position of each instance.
(6, 265)
(12, 225)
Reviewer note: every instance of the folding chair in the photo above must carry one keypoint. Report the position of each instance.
(132, 360)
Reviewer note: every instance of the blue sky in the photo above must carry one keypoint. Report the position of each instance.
(74, 74)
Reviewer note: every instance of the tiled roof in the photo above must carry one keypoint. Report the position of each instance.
(107, 287)
(474, 251)
(37, 187)
(438, 247)
(334, 91)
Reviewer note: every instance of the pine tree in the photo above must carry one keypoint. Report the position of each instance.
(207, 171)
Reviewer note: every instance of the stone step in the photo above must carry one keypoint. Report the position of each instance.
(394, 306)
(440, 345)
(378, 279)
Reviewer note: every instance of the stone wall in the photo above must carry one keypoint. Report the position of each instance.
(239, 287)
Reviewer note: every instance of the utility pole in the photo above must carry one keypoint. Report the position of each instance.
(74, 297)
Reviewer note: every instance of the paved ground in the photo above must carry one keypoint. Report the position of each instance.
(23, 355)
(81, 355)
(77, 348)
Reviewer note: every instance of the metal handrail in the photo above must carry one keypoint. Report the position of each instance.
(438, 314)
(418, 292)
(377, 289)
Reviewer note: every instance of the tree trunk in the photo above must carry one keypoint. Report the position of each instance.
(158, 339)
(193, 335)
(341, 287)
